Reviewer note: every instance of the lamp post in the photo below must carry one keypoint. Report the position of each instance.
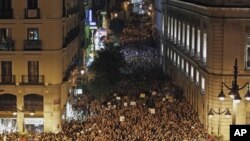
(212, 112)
(234, 92)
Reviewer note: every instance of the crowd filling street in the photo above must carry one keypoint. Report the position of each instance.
(145, 106)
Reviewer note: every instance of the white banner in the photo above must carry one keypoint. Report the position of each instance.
(36, 121)
(122, 118)
(142, 95)
(133, 103)
(152, 110)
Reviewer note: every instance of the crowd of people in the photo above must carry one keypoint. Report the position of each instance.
(143, 107)
(142, 58)
(138, 28)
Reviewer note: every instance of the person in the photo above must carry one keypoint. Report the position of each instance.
(211, 137)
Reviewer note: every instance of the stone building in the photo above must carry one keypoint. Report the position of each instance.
(39, 45)
(200, 41)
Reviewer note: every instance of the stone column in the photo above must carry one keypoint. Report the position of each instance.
(20, 114)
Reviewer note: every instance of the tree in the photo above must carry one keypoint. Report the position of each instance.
(116, 25)
(106, 70)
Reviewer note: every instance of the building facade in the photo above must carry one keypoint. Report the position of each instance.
(39, 46)
(200, 41)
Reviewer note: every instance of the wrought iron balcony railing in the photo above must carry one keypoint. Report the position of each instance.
(32, 79)
(32, 45)
(6, 13)
(7, 79)
(32, 13)
(7, 45)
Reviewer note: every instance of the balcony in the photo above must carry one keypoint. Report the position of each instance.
(6, 13)
(71, 36)
(7, 45)
(71, 11)
(7, 79)
(32, 13)
(32, 80)
(32, 45)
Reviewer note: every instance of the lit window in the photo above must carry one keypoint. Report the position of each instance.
(171, 55)
(197, 76)
(182, 64)
(169, 25)
(172, 27)
(192, 72)
(187, 39)
(248, 53)
(33, 34)
(162, 25)
(179, 32)
(187, 68)
(203, 84)
(198, 42)
(175, 30)
(193, 39)
(178, 60)
(174, 58)
(183, 33)
(204, 53)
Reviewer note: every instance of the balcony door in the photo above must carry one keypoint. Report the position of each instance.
(32, 4)
(5, 39)
(6, 68)
(33, 72)
(5, 5)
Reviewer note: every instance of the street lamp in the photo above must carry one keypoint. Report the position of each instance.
(234, 92)
(226, 112)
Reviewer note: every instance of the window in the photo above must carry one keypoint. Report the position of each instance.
(5, 5)
(182, 64)
(179, 32)
(183, 33)
(193, 39)
(203, 84)
(171, 55)
(33, 34)
(6, 68)
(204, 53)
(174, 58)
(163, 24)
(172, 27)
(32, 4)
(188, 37)
(169, 25)
(168, 52)
(175, 29)
(197, 77)
(187, 68)
(178, 60)
(198, 43)
(33, 71)
(248, 53)
(192, 72)
(5, 33)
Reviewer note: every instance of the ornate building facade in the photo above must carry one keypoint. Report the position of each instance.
(39, 45)
(200, 41)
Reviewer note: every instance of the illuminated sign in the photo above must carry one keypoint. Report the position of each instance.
(90, 15)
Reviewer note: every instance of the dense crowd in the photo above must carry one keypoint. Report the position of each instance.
(143, 106)
(138, 28)
(137, 111)
(140, 59)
